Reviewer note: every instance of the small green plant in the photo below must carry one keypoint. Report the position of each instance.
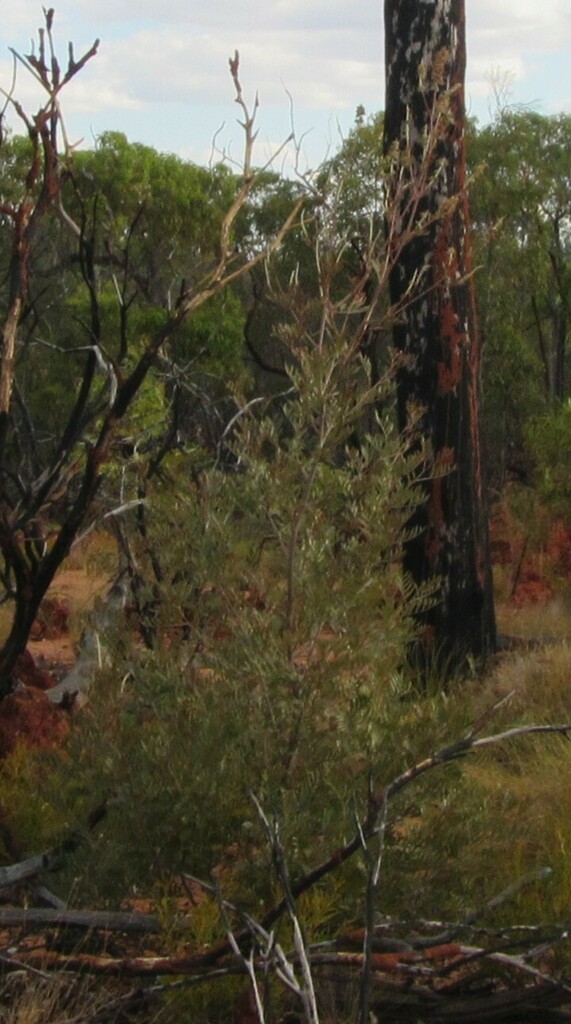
(280, 623)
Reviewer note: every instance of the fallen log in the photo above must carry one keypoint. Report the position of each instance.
(401, 993)
(14, 874)
(102, 920)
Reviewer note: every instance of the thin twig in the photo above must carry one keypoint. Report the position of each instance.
(306, 991)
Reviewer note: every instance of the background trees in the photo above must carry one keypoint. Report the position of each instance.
(521, 201)
(513, 268)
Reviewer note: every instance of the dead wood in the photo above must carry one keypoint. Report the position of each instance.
(14, 874)
(416, 979)
(127, 966)
(111, 921)
(369, 826)
(405, 986)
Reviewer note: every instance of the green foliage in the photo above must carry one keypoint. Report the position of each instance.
(521, 208)
(280, 620)
(354, 178)
(213, 337)
(31, 819)
(549, 439)
(140, 192)
(15, 155)
(123, 194)
(138, 224)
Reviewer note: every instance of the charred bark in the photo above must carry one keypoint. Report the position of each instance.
(431, 288)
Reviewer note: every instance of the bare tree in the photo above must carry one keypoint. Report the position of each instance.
(64, 490)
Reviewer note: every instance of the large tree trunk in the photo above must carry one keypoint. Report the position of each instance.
(436, 331)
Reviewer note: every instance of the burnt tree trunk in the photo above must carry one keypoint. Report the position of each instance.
(431, 287)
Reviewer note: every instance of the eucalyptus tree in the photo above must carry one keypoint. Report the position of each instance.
(435, 327)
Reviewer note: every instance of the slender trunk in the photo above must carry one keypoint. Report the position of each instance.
(560, 345)
(436, 332)
(543, 352)
(18, 275)
(8, 351)
(561, 311)
(26, 609)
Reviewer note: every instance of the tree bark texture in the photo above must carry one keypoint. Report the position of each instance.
(435, 331)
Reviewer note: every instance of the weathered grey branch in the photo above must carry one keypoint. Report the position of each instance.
(110, 921)
(14, 874)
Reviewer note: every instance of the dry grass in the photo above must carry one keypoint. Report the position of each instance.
(540, 680)
(28, 998)
(548, 621)
(517, 796)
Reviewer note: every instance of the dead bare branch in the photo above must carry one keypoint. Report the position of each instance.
(91, 920)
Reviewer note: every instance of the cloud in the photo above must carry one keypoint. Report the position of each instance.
(249, 14)
(517, 25)
(507, 44)
(326, 54)
(166, 66)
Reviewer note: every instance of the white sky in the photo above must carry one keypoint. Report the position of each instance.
(161, 75)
